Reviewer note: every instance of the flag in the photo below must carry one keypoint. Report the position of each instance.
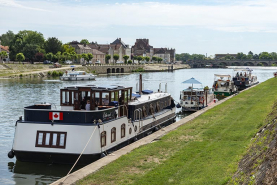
(55, 115)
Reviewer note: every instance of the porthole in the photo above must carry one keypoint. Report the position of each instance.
(130, 131)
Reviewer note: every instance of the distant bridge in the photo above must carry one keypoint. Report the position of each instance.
(224, 63)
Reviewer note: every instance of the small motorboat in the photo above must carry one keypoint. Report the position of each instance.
(77, 75)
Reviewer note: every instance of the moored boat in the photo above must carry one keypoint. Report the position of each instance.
(77, 75)
(112, 118)
(244, 78)
(195, 98)
(223, 85)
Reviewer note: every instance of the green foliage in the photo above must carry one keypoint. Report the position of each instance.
(107, 57)
(139, 58)
(126, 57)
(26, 42)
(265, 55)
(20, 75)
(49, 73)
(241, 56)
(115, 57)
(139, 70)
(49, 56)
(60, 73)
(20, 57)
(155, 58)
(7, 38)
(130, 61)
(147, 58)
(84, 41)
(52, 45)
(160, 59)
(67, 48)
(85, 57)
(3, 54)
(90, 56)
(55, 74)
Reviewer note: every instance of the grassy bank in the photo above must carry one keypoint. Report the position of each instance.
(204, 151)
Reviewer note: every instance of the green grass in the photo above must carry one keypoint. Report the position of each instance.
(204, 151)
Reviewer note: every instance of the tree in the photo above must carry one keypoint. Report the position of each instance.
(160, 59)
(130, 61)
(20, 57)
(90, 56)
(273, 55)
(241, 56)
(85, 57)
(53, 45)
(265, 55)
(39, 56)
(250, 53)
(66, 55)
(67, 48)
(182, 57)
(29, 51)
(84, 41)
(26, 41)
(155, 58)
(3, 54)
(107, 57)
(7, 38)
(256, 56)
(139, 58)
(147, 58)
(115, 57)
(249, 57)
(126, 57)
(58, 55)
(49, 56)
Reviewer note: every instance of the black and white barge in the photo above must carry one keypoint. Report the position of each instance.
(116, 117)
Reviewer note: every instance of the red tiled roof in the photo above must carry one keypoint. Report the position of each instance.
(5, 48)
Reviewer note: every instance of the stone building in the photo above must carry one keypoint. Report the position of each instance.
(80, 48)
(98, 56)
(120, 48)
(142, 48)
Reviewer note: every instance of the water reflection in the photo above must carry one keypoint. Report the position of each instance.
(15, 94)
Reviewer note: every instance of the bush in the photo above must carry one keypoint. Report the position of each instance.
(55, 73)
(130, 61)
(20, 75)
(60, 73)
(139, 70)
(49, 73)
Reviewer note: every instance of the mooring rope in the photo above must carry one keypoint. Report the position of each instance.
(79, 156)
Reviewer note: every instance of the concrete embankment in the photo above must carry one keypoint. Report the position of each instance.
(74, 177)
(40, 70)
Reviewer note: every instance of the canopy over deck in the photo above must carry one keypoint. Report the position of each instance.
(191, 81)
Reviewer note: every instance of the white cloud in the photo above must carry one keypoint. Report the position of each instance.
(239, 17)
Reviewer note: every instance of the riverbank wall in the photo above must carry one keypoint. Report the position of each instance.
(95, 166)
(40, 70)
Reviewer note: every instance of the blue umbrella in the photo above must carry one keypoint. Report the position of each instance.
(191, 81)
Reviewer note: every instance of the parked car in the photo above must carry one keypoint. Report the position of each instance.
(47, 62)
(57, 65)
(68, 62)
(119, 62)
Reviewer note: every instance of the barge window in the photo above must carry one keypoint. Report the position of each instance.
(103, 138)
(113, 134)
(40, 138)
(123, 130)
(47, 139)
(50, 139)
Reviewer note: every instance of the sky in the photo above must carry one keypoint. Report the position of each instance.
(190, 26)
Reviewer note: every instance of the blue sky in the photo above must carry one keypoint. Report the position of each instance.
(193, 26)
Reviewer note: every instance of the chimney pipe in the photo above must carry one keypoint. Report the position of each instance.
(140, 83)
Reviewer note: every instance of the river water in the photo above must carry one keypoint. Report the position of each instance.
(15, 94)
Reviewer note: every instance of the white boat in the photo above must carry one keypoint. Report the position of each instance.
(193, 99)
(244, 78)
(224, 85)
(77, 75)
(115, 117)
